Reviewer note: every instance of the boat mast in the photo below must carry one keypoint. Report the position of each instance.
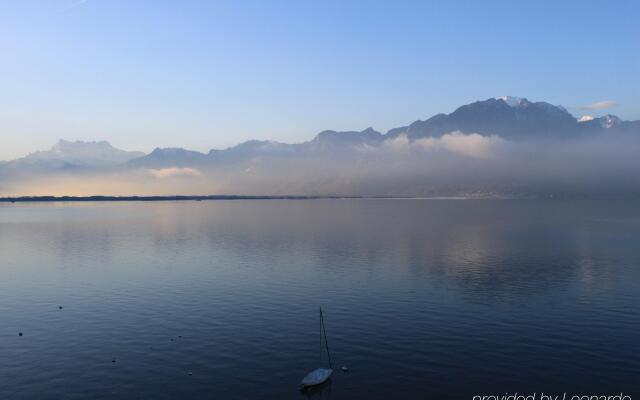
(326, 344)
(320, 335)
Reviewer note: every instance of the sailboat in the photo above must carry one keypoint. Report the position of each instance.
(319, 375)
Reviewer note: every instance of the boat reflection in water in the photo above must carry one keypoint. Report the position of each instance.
(321, 391)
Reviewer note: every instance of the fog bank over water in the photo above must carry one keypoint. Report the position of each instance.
(453, 164)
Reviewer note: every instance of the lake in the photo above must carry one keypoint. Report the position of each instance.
(422, 299)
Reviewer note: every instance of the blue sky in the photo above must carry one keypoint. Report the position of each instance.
(210, 74)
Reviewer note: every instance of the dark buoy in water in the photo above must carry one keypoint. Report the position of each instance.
(59, 307)
(190, 373)
(344, 368)
(113, 360)
(179, 336)
(19, 333)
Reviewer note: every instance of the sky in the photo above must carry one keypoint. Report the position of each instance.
(211, 74)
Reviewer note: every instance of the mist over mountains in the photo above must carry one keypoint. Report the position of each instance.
(501, 146)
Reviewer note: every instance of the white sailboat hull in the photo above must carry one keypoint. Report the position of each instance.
(316, 377)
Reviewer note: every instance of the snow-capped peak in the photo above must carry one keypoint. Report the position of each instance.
(606, 121)
(512, 101)
(609, 120)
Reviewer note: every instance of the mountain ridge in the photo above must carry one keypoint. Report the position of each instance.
(76, 153)
(510, 118)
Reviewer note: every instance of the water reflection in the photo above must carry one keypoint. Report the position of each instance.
(424, 298)
(319, 392)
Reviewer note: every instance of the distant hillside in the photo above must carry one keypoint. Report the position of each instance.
(511, 118)
(76, 154)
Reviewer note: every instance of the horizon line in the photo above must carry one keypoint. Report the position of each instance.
(105, 198)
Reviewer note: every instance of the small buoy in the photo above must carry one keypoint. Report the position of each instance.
(113, 360)
(59, 307)
(190, 373)
(344, 368)
(179, 336)
(172, 339)
(19, 333)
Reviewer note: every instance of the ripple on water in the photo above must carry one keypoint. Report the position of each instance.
(423, 299)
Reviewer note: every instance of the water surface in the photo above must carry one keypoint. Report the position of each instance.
(219, 299)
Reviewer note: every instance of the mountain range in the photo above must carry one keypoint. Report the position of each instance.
(510, 118)
(67, 154)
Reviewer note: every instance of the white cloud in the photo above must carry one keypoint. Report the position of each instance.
(470, 145)
(585, 118)
(398, 144)
(174, 172)
(600, 105)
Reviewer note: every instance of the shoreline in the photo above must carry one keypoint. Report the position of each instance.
(29, 199)
(34, 199)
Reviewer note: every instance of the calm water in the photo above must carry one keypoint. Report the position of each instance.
(422, 298)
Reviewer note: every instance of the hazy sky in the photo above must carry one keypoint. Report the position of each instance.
(209, 74)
